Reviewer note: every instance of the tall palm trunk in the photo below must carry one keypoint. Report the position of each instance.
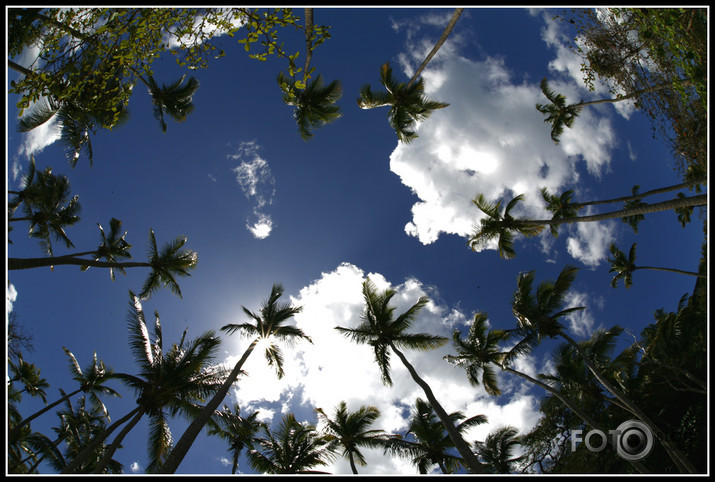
(352, 463)
(571, 406)
(308, 42)
(671, 270)
(107, 457)
(462, 447)
(29, 263)
(16, 430)
(182, 447)
(442, 39)
(675, 453)
(644, 194)
(631, 95)
(699, 200)
(92, 447)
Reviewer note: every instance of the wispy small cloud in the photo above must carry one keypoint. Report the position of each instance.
(254, 177)
(11, 296)
(136, 468)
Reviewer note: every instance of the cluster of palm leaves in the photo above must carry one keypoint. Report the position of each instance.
(183, 378)
(584, 370)
(47, 207)
(500, 226)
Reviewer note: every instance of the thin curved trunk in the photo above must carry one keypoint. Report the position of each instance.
(676, 454)
(462, 447)
(671, 270)
(693, 201)
(234, 466)
(16, 430)
(18, 68)
(571, 406)
(642, 195)
(95, 443)
(182, 447)
(442, 39)
(352, 463)
(29, 263)
(308, 42)
(107, 457)
(630, 96)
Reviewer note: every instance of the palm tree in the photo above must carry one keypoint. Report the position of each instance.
(407, 101)
(407, 104)
(238, 431)
(497, 450)
(29, 376)
(480, 351)
(561, 115)
(503, 226)
(77, 117)
(294, 448)
(447, 30)
(172, 261)
(78, 427)
(167, 384)
(623, 266)
(432, 445)
(46, 204)
(538, 316)
(91, 381)
(350, 431)
(500, 226)
(315, 104)
(174, 100)
(385, 334)
(268, 326)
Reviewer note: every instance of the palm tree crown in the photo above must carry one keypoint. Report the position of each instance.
(350, 431)
(408, 104)
(381, 330)
(293, 448)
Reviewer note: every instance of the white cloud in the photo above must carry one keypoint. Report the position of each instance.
(136, 468)
(588, 241)
(492, 140)
(11, 296)
(34, 141)
(254, 177)
(581, 321)
(335, 369)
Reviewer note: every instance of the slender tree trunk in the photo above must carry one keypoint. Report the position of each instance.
(92, 447)
(699, 200)
(182, 447)
(671, 270)
(630, 96)
(235, 463)
(16, 430)
(352, 463)
(442, 39)
(676, 454)
(571, 406)
(29, 263)
(308, 42)
(642, 195)
(18, 68)
(462, 447)
(107, 457)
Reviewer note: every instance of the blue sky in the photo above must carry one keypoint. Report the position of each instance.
(261, 206)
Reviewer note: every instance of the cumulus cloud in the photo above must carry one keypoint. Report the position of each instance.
(11, 296)
(335, 369)
(254, 177)
(492, 140)
(136, 468)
